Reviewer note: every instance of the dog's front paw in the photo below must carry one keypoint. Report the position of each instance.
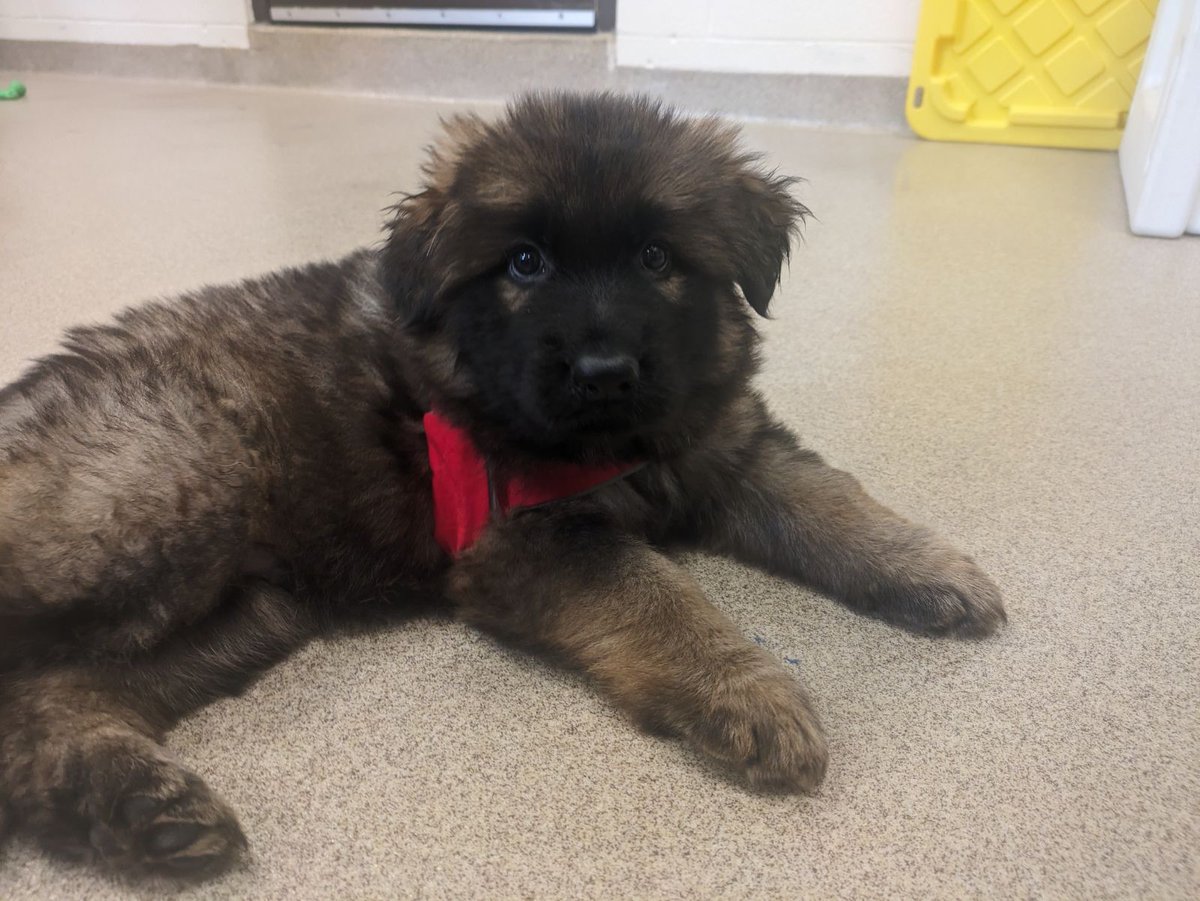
(941, 592)
(763, 725)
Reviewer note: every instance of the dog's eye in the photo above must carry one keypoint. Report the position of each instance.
(526, 263)
(655, 258)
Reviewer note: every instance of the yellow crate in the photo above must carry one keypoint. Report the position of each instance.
(1055, 73)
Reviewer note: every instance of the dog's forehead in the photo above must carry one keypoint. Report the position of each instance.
(590, 211)
(606, 157)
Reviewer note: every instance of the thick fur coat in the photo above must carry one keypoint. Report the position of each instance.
(190, 492)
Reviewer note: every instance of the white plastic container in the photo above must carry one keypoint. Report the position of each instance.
(1160, 150)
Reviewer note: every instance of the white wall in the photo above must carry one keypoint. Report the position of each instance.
(209, 23)
(843, 37)
(840, 37)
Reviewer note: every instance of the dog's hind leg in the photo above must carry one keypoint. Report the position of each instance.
(257, 626)
(82, 768)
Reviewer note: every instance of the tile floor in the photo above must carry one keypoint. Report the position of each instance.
(970, 329)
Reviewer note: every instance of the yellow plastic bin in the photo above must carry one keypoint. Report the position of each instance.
(1055, 73)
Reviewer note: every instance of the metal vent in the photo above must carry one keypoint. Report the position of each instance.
(445, 13)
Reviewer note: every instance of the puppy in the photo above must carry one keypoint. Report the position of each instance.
(537, 385)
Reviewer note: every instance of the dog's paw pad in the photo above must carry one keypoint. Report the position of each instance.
(767, 730)
(953, 597)
(165, 820)
(790, 755)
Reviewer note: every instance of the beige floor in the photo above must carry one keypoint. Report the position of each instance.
(969, 329)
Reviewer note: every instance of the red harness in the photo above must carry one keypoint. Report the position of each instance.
(465, 497)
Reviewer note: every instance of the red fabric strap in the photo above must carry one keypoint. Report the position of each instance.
(461, 493)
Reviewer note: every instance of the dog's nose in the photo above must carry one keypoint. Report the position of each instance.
(605, 377)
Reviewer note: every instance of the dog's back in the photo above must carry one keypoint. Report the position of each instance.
(156, 459)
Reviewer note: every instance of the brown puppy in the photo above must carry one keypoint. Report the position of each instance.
(189, 493)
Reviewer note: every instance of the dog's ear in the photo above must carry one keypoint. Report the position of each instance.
(407, 259)
(763, 218)
(413, 271)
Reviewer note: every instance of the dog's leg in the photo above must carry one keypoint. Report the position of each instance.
(777, 506)
(567, 582)
(82, 770)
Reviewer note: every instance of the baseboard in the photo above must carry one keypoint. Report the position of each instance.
(469, 65)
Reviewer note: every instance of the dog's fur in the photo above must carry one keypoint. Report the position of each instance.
(191, 492)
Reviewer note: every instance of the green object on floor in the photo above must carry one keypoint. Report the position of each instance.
(14, 91)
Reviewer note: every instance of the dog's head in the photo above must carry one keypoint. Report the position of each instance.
(573, 278)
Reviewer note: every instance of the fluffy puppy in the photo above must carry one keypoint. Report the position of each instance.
(192, 491)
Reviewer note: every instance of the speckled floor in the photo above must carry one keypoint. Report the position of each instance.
(969, 329)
